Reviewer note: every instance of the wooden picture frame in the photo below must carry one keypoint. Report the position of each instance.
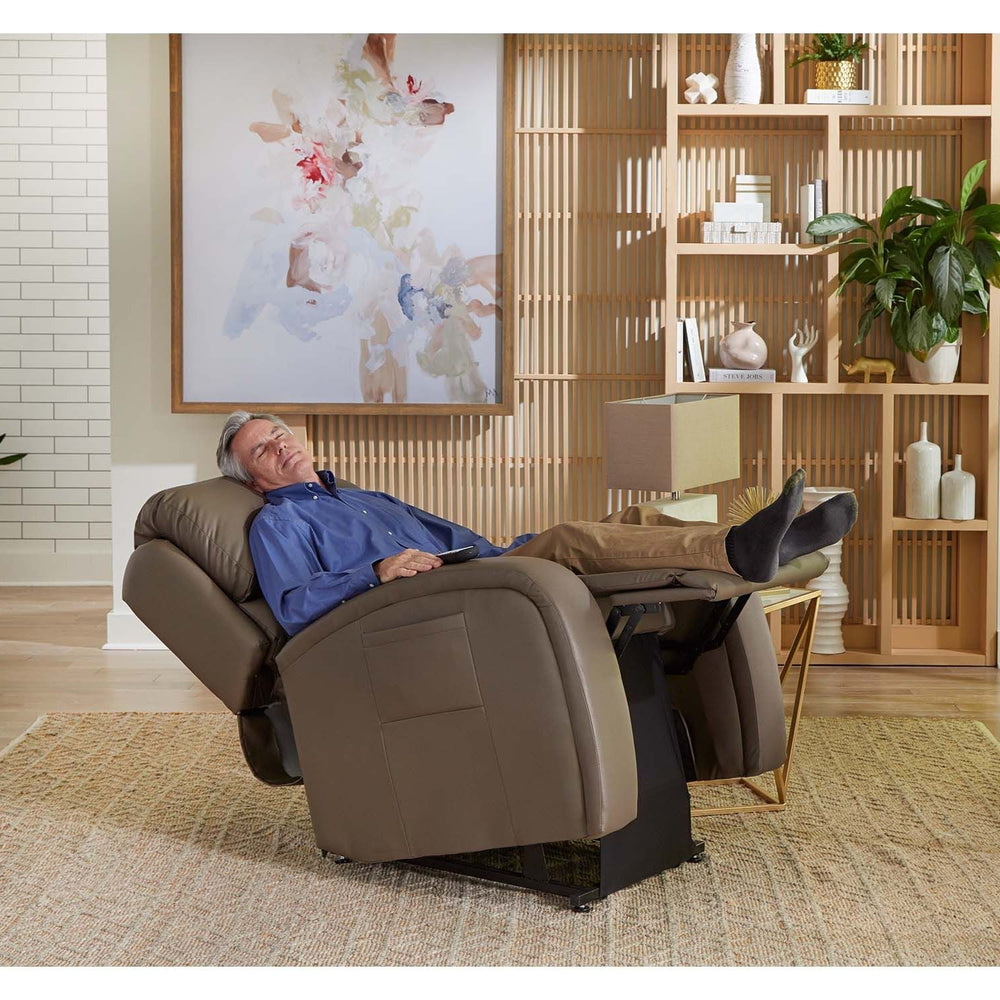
(506, 310)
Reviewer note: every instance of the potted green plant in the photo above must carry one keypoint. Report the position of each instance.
(10, 459)
(836, 61)
(924, 275)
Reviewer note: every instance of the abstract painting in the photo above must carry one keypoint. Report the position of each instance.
(337, 233)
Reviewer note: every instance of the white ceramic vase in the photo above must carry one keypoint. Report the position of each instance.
(829, 636)
(923, 478)
(940, 366)
(743, 77)
(743, 347)
(958, 493)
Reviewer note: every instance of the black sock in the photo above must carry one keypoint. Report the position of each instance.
(752, 548)
(819, 527)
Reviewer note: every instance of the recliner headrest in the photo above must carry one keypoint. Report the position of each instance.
(208, 522)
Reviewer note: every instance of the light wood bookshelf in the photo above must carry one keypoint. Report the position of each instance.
(921, 591)
(605, 256)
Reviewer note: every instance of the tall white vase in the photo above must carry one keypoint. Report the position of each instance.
(958, 493)
(829, 637)
(743, 79)
(923, 478)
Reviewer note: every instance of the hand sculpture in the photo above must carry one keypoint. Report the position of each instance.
(799, 345)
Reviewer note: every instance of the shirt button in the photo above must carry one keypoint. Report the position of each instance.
(315, 497)
(371, 584)
(364, 512)
(390, 532)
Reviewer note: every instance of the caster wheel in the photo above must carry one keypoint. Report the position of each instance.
(696, 859)
(581, 908)
(341, 860)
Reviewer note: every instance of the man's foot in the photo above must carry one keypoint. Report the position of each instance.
(752, 547)
(819, 527)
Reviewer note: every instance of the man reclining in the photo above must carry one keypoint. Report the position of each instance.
(315, 546)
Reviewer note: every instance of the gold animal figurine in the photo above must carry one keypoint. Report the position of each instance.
(870, 366)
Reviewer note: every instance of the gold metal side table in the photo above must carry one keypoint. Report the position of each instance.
(774, 603)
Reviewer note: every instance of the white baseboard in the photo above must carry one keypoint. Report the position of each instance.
(125, 631)
(25, 565)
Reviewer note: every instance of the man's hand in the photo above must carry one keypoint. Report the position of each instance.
(409, 562)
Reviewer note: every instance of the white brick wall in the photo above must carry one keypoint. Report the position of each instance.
(55, 505)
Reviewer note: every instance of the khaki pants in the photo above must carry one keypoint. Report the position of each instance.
(637, 537)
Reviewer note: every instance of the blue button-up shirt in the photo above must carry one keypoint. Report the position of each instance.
(313, 544)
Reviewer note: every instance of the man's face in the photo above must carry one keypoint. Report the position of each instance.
(272, 456)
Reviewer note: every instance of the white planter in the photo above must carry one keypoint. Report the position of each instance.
(940, 366)
(743, 79)
(958, 493)
(829, 636)
(923, 478)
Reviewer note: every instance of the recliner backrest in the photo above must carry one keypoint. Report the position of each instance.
(196, 588)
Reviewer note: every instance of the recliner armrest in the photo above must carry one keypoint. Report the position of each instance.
(545, 582)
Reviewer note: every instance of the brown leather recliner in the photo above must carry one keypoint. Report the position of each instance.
(478, 706)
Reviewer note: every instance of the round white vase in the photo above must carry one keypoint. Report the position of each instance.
(743, 77)
(940, 366)
(829, 636)
(923, 478)
(743, 347)
(958, 493)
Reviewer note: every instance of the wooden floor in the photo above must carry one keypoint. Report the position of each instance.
(51, 661)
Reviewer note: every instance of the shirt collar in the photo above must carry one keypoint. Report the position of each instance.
(303, 491)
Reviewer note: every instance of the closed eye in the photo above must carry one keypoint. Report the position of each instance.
(258, 448)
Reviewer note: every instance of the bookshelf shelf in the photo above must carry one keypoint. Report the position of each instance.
(912, 524)
(756, 249)
(834, 110)
(840, 388)
(920, 591)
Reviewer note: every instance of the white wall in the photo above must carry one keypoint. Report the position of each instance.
(151, 448)
(55, 505)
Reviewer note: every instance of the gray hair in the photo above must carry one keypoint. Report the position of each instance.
(229, 464)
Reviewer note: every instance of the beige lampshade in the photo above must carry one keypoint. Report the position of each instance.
(671, 443)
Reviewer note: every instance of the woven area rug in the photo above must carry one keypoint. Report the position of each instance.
(142, 839)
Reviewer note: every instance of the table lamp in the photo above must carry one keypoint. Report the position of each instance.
(669, 444)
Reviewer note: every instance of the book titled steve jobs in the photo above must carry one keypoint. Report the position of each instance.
(741, 375)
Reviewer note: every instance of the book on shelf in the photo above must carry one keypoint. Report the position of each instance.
(819, 204)
(750, 188)
(741, 375)
(680, 350)
(696, 360)
(817, 96)
(807, 210)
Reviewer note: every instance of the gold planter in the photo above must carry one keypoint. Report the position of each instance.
(841, 75)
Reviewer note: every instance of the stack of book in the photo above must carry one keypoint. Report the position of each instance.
(838, 97)
(812, 204)
(690, 356)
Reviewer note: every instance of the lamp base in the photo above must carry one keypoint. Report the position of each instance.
(688, 506)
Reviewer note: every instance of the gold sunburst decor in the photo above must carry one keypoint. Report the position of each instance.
(752, 500)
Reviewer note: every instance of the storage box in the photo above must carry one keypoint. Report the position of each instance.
(738, 211)
(741, 232)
